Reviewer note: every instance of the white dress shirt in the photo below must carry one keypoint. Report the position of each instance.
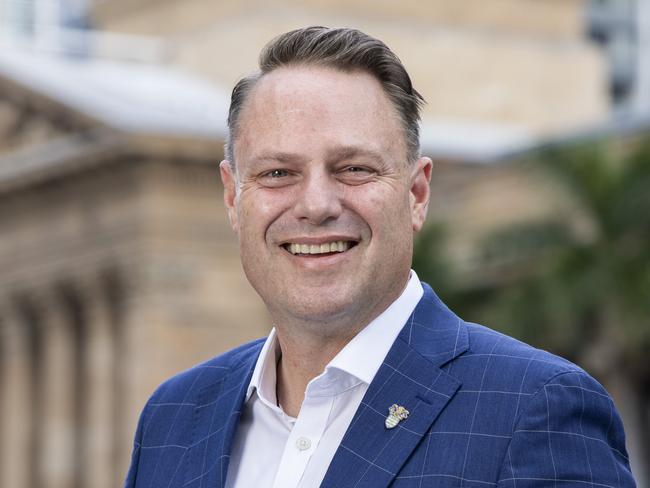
(274, 450)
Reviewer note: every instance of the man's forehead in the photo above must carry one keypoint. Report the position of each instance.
(296, 88)
(311, 111)
(317, 98)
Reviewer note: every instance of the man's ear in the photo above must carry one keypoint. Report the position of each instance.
(229, 180)
(419, 196)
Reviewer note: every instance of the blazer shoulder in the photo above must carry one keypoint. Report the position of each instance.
(182, 385)
(496, 352)
(560, 422)
(476, 355)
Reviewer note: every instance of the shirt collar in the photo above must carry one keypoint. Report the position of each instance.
(264, 374)
(360, 358)
(365, 353)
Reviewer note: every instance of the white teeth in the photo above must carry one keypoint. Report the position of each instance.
(336, 246)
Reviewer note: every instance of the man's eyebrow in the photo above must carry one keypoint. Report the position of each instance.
(335, 154)
(276, 156)
(349, 152)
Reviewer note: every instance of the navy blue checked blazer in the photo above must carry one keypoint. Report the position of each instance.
(485, 410)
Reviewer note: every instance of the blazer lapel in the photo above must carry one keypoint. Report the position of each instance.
(370, 455)
(216, 415)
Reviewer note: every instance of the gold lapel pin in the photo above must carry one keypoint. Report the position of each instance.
(396, 413)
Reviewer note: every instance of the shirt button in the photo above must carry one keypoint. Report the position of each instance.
(302, 443)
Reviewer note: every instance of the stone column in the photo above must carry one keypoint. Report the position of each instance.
(99, 428)
(15, 399)
(58, 464)
(132, 363)
(122, 440)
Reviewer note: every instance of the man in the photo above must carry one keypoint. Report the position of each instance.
(367, 379)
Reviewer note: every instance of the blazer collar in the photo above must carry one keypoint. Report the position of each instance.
(370, 455)
(216, 415)
(434, 331)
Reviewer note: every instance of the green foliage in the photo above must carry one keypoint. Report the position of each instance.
(429, 259)
(570, 289)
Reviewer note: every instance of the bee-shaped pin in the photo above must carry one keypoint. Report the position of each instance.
(396, 414)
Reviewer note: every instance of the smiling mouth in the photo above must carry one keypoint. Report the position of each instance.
(318, 249)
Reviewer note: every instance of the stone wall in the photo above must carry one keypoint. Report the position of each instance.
(522, 63)
(111, 280)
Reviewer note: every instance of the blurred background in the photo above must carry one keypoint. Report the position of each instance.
(118, 267)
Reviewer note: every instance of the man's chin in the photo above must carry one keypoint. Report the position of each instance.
(322, 309)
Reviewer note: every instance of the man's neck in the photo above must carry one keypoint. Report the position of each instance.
(307, 347)
(299, 363)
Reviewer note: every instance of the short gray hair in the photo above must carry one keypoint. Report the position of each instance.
(343, 49)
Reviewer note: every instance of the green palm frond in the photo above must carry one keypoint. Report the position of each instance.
(570, 282)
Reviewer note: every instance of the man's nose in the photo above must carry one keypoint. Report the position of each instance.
(319, 199)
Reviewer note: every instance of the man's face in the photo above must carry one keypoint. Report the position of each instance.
(323, 200)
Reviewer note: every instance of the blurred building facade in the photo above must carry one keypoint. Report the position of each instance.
(117, 264)
(622, 28)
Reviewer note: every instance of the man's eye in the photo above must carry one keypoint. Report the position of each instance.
(276, 178)
(356, 175)
(277, 173)
(357, 170)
